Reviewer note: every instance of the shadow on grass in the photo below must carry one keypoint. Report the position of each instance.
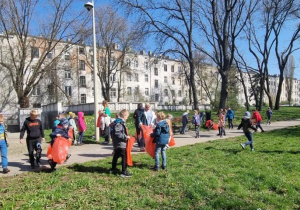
(233, 151)
(279, 152)
(95, 155)
(91, 169)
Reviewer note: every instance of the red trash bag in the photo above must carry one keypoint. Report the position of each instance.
(60, 149)
(49, 152)
(147, 130)
(215, 126)
(129, 146)
(172, 141)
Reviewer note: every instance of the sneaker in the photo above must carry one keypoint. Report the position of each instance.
(126, 174)
(6, 170)
(32, 165)
(262, 131)
(156, 168)
(38, 163)
(163, 167)
(252, 150)
(243, 146)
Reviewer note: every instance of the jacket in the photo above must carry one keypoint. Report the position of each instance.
(119, 133)
(269, 113)
(185, 118)
(161, 133)
(256, 116)
(246, 124)
(73, 123)
(34, 129)
(140, 117)
(2, 132)
(230, 114)
(60, 130)
(150, 117)
(81, 123)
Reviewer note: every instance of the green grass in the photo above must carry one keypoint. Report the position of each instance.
(285, 113)
(212, 175)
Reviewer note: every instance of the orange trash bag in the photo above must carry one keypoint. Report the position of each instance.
(49, 152)
(172, 141)
(129, 146)
(149, 145)
(70, 134)
(215, 126)
(60, 149)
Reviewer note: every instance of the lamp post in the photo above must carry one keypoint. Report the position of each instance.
(90, 6)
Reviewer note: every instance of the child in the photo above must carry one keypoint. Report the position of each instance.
(104, 127)
(3, 146)
(230, 117)
(161, 136)
(61, 130)
(258, 119)
(120, 138)
(221, 123)
(185, 121)
(81, 127)
(72, 123)
(209, 124)
(269, 115)
(169, 121)
(246, 124)
(196, 121)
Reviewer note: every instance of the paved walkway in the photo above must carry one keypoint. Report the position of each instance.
(18, 157)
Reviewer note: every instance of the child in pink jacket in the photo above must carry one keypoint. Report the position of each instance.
(81, 127)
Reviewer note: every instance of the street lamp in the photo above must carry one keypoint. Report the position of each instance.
(90, 6)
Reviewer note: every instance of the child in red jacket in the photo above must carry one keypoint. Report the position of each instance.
(258, 119)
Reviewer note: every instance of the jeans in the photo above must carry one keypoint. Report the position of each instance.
(250, 138)
(269, 120)
(80, 137)
(160, 148)
(259, 126)
(183, 128)
(3, 148)
(197, 130)
(230, 124)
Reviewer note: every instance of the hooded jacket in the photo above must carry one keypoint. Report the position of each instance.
(81, 123)
(257, 116)
(140, 117)
(230, 114)
(185, 118)
(246, 123)
(161, 133)
(119, 133)
(34, 129)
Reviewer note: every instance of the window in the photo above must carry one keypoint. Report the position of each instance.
(173, 93)
(67, 56)
(36, 91)
(49, 55)
(186, 81)
(165, 92)
(129, 91)
(129, 77)
(67, 74)
(113, 77)
(179, 81)
(112, 62)
(146, 65)
(156, 83)
(186, 93)
(81, 65)
(172, 68)
(51, 89)
(83, 98)
(136, 77)
(82, 81)
(165, 67)
(35, 52)
(147, 91)
(165, 79)
(156, 71)
(146, 78)
(113, 93)
(136, 63)
(179, 93)
(136, 90)
(37, 105)
(173, 81)
(81, 50)
(156, 97)
(68, 90)
(179, 69)
(128, 62)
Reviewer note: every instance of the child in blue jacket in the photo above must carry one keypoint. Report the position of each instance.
(161, 136)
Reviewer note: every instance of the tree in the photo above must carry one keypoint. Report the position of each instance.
(29, 37)
(221, 23)
(172, 22)
(289, 78)
(286, 11)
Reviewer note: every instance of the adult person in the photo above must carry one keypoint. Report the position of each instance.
(150, 115)
(106, 131)
(140, 119)
(35, 137)
(230, 117)
(256, 115)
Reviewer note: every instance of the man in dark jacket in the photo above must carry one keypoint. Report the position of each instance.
(140, 119)
(120, 137)
(35, 137)
(161, 136)
(185, 121)
(246, 124)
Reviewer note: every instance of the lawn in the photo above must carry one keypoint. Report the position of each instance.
(212, 175)
(285, 113)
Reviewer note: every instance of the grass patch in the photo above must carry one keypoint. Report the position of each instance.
(212, 175)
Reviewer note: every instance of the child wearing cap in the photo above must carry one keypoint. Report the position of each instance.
(246, 124)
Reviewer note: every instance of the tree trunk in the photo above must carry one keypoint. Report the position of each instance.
(269, 98)
(193, 86)
(277, 102)
(24, 101)
(261, 91)
(224, 91)
(245, 89)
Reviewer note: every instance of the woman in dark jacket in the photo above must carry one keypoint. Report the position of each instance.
(140, 119)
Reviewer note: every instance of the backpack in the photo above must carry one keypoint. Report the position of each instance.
(196, 120)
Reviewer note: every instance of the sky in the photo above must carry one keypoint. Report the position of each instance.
(273, 66)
